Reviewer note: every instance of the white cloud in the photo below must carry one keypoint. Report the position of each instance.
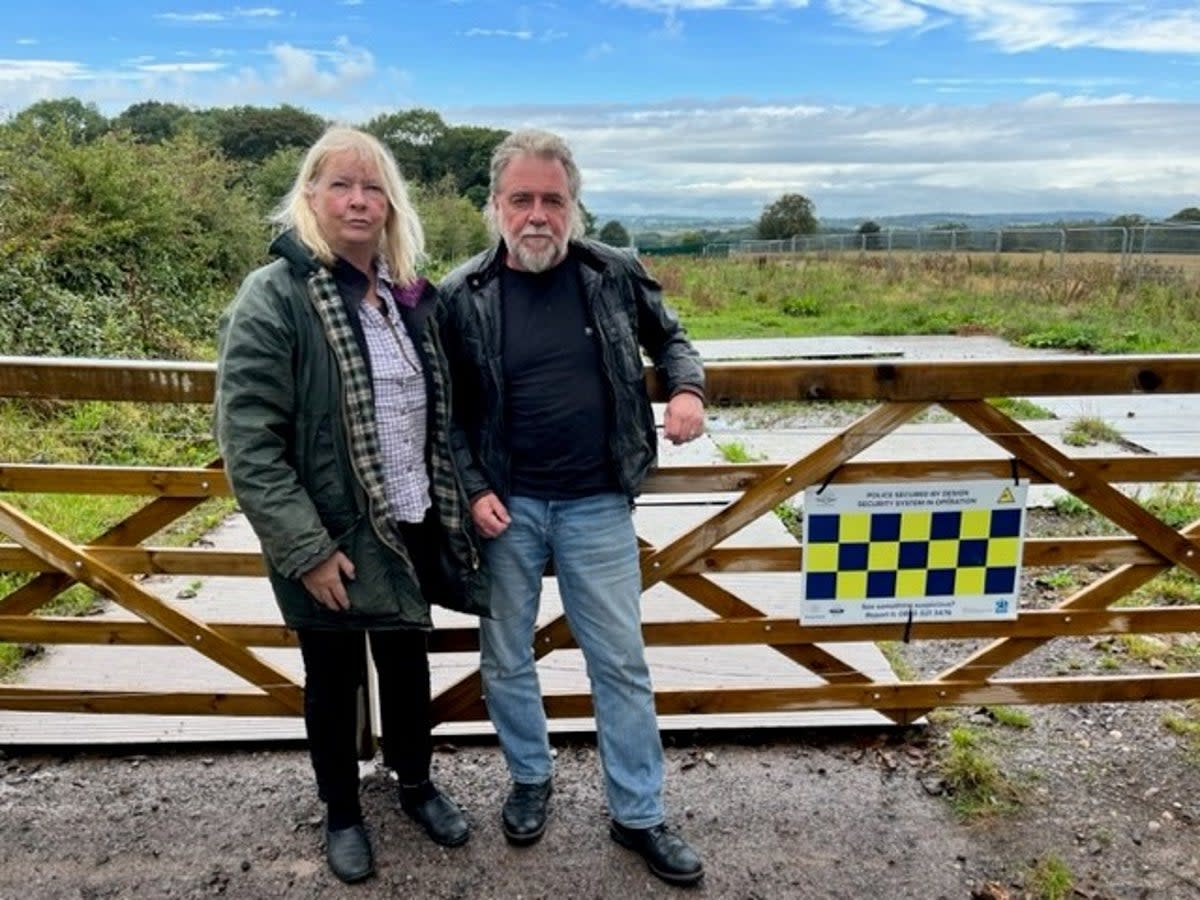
(1121, 154)
(879, 15)
(26, 42)
(258, 12)
(33, 70)
(191, 17)
(599, 51)
(1016, 26)
(179, 67)
(522, 35)
(668, 6)
(300, 72)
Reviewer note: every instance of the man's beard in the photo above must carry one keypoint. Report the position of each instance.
(532, 260)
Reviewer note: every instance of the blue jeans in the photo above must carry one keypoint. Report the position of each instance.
(595, 554)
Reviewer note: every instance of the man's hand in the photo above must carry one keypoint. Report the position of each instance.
(324, 581)
(684, 419)
(491, 518)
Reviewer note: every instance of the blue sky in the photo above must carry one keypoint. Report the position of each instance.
(711, 107)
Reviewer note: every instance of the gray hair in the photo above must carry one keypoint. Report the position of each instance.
(543, 144)
(402, 243)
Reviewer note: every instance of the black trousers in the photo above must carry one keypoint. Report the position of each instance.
(334, 667)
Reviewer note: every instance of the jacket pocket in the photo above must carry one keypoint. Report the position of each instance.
(324, 477)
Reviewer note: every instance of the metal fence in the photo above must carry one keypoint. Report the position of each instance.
(1125, 242)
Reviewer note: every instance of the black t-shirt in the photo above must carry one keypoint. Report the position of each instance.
(557, 398)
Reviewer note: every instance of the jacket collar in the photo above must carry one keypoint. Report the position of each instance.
(492, 261)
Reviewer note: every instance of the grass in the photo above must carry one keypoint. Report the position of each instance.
(977, 786)
(1186, 724)
(737, 452)
(1088, 306)
(1089, 430)
(96, 433)
(1049, 878)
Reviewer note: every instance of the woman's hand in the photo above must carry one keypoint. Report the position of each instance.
(324, 581)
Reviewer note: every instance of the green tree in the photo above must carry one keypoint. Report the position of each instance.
(869, 227)
(252, 133)
(614, 234)
(1187, 214)
(465, 153)
(274, 177)
(412, 135)
(454, 229)
(1128, 220)
(790, 215)
(153, 122)
(81, 122)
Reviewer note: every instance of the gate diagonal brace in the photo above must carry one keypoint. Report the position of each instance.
(83, 567)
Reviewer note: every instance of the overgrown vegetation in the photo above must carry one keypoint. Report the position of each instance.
(1108, 310)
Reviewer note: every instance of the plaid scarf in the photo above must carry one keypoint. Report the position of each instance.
(360, 406)
(356, 383)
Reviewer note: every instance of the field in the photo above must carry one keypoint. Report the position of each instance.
(1085, 302)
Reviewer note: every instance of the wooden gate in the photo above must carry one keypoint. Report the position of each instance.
(110, 563)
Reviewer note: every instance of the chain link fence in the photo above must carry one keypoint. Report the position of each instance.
(1126, 244)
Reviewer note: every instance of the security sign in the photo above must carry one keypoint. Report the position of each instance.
(912, 551)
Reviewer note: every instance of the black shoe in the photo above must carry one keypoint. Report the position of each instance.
(441, 818)
(348, 852)
(666, 853)
(525, 811)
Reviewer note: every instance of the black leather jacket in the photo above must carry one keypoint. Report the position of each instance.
(624, 306)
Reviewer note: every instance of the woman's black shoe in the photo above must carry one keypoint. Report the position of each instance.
(440, 816)
(348, 852)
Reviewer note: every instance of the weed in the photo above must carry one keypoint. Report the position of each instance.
(893, 652)
(1050, 878)
(1088, 430)
(1010, 716)
(1186, 724)
(736, 452)
(977, 786)
(1021, 409)
(791, 519)
(1071, 507)
(1059, 579)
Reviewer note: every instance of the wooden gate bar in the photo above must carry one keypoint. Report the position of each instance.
(135, 528)
(1077, 477)
(166, 703)
(770, 631)
(186, 630)
(770, 492)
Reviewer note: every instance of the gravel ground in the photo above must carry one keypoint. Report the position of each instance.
(1106, 791)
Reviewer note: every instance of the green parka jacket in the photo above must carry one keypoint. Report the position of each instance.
(283, 426)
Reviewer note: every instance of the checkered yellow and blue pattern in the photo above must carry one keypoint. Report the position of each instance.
(912, 554)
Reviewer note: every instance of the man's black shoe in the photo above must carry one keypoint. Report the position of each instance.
(525, 811)
(348, 852)
(666, 853)
(441, 818)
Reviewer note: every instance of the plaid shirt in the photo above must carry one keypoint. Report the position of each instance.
(400, 408)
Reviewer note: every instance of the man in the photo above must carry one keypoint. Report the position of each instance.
(554, 435)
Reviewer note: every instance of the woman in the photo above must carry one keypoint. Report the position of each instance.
(331, 413)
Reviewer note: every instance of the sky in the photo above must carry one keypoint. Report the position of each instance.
(715, 108)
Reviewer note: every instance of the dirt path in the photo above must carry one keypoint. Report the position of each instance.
(1106, 791)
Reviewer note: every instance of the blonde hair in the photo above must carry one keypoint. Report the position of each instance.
(402, 243)
(545, 145)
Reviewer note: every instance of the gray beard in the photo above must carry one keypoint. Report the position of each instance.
(536, 260)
